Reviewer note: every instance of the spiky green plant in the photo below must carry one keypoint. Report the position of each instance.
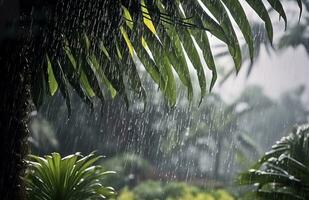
(283, 172)
(73, 177)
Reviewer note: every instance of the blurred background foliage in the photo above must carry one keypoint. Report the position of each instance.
(151, 190)
(205, 146)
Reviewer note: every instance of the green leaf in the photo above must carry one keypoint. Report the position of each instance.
(176, 57)
(219, 12)
(78, 70)
(202, 41)
(276, 4)
(259, 7)
(164, 66)
(193, 54)
(97, 69)
(53, 85)
(241, 19)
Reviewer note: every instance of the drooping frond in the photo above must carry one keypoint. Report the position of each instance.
(96, 47)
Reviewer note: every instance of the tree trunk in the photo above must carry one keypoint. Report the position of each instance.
(14, 101)
(218, 157)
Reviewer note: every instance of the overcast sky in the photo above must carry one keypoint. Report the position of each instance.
(275, 73)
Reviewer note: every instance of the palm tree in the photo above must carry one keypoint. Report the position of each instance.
(94, 47)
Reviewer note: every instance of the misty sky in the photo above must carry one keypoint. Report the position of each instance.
(275, 73)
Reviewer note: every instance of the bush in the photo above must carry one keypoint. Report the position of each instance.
(70, 178)
(154, 190)
(130, 170)
(126, 195)
(149, 190)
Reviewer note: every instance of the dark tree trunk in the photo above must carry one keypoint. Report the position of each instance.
(14, 98)
(15, 79)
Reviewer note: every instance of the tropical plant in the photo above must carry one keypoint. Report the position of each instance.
(72, 177)
(89, 54)
(93, 46)
(282, 173)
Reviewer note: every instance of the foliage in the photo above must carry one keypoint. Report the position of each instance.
(164, 137)
(297, 35)
(72, 177)
(130, 170)
(152, 190)
(149, 190)
(214, 130)
(100, 56)
(126, 194)
(282, 173)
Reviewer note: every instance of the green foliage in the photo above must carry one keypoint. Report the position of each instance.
(72, 177)
(282, 173)
(129, 168)
(153, 190)
(126, 194)
(100, 56)
(297, 35)
(150, 190)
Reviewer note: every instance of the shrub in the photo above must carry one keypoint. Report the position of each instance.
(149, 190)
(154, 190)
(126, 195)
(130, 170)
(70, 178)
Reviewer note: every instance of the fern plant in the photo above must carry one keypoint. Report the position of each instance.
(283, 172)
(73, 177)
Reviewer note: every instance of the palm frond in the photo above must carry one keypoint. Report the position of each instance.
(283, 172)
(96, 47)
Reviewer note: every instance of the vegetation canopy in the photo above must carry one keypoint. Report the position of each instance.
(97, 47)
